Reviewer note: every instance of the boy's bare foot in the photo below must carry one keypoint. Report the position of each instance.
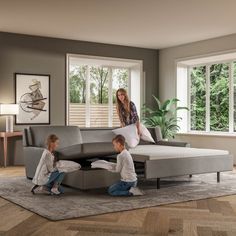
(136, 191)
(55, 191)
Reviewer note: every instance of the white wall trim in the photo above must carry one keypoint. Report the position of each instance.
(115, 59)
(180, 59)
(214, 134)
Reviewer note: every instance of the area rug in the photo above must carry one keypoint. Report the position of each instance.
(75, 203)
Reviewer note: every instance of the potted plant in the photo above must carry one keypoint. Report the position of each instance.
(163, 115)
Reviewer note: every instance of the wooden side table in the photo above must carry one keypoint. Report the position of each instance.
(5, 136)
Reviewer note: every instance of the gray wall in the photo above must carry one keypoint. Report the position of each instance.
(31, 54)
(167, 83)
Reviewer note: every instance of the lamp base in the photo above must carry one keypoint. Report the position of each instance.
(9, 124)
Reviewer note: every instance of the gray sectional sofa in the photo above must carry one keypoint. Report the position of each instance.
(159, 160)
(76, 145)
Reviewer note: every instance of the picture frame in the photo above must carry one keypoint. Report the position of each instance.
(32, 93)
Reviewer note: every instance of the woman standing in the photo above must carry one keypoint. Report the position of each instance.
(126, 110)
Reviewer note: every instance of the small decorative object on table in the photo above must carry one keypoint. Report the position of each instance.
(9, 110)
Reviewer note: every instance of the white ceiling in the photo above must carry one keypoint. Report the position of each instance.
(142, 23)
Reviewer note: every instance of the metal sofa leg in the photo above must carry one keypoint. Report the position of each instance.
(190, 176)
(158, 183)
(218, 177)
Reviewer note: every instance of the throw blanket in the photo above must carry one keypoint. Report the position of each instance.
(67, 166)
(104, 165)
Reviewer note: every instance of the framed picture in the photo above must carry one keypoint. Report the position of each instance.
(32, 93)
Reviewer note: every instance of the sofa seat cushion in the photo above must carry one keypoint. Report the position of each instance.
(157, 152)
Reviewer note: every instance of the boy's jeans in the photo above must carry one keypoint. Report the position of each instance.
(56, 177)
(121, 188)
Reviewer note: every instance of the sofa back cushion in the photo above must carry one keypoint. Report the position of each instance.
(98, 149)
(68, 135)
(97, 135)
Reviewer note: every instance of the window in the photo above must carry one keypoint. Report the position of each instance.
(92, 84)
(234, 95)
(77, 89)
(198, 98)
(219, 97)
(211, 94)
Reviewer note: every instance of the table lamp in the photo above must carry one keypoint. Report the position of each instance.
(9, 110)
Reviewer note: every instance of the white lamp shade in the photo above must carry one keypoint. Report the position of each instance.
(9, 109)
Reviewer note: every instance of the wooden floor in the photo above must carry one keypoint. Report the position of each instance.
(212, 217)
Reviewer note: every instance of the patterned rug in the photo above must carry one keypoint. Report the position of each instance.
(75, 203)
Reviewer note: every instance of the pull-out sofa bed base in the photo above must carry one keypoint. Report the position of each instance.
(158, 184)
(159, 162)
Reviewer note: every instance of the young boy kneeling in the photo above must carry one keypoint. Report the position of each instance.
(125, 166)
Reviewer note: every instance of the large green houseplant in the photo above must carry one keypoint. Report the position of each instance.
(163, 115)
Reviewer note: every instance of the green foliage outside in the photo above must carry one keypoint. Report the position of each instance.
(219, 97)
(77, 84)
(198, 98)
(99, 84)
(120, 80)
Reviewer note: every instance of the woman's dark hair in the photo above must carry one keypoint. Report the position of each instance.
(119, 139)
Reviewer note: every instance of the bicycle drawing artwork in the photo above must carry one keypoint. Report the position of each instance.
(33, 95)
(33, 102)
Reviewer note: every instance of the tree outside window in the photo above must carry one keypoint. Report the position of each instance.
(218, 97)
(98, 103)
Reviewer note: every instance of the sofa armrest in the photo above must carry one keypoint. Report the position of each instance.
(173, 143)
(32, 157)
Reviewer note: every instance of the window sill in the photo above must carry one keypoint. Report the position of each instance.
(211, 134)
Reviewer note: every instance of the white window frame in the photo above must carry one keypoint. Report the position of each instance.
(231, 97)
(138, 64)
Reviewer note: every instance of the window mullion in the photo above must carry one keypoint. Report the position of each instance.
(189, 98)
(231, 98)
(110, 100)
(87, 104)
(129, 82)
(208, 98)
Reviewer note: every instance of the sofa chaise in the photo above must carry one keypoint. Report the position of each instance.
(159, 160)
